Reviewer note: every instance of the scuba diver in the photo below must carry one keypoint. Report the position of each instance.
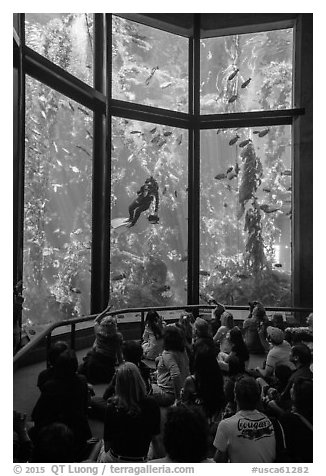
(146, 194)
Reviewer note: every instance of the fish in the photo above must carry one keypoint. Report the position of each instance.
(268, 209)
(286, 172)
(156, 138)
(175, 194)
(84, 150)
(153, 130)
(237, 168)
(263, 132)
(245, 84)
(256, 132)
(179, 139)
(166, 85)
(266, 190)
(218, 131)
(234, 140)
(75, 290)
(220, 176)
(167, 133)
(202, 272)
(135, 132)
(233, 75)
(225, 205)
(242, 276)
(244, 143)
(230, 173)
(278, 265)
(233, 98)
(151, 75)
(118, 277)
(163, 288)
(289, 189)
(164, 190)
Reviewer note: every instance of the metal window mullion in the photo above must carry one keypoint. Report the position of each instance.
(108, 142)
(194, 165)
(19, 171)
(100, 197)
(48, 73)
(148, 116)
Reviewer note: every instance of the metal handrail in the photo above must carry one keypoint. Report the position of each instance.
(47, 333)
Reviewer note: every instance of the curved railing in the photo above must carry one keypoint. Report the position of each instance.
(47, 333)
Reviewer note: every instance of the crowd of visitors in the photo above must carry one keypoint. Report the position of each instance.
(185, 393)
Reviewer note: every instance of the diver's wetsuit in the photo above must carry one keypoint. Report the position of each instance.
(146, 195)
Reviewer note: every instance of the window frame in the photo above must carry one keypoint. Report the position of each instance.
(99, 100)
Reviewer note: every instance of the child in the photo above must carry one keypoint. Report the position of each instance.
(153, 336)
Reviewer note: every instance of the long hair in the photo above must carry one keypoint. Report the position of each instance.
(237, 344)
(209, 380)
(130, 388)
(173, 339)
(153, 321)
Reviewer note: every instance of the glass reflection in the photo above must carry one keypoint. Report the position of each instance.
(148, 264)
(246, 208)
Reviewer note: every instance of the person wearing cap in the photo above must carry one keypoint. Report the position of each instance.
(278, 354)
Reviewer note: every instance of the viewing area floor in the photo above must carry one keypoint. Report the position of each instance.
(26, 393)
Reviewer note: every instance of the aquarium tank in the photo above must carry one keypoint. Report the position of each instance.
(245, 173)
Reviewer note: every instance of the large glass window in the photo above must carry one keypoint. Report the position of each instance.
(57, 223)
(149, 261)
(246, 210)
(248, 72)
(66, 39)
(149, 66)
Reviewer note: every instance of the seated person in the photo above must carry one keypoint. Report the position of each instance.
(205, 387)
(99, 363)
(153, 336)
(172, 367)
(226, 325)
(132, 352)
(279, 380)
(248, 436)
(185, 436)
(54, 444)
(202, 335)
(297, 423)
(64, 399)
(54, 352)
(132, 419)
(277, 321)
(238, 356)
(22, 444)
(278, 354)
(301, 358)
(254, 329)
